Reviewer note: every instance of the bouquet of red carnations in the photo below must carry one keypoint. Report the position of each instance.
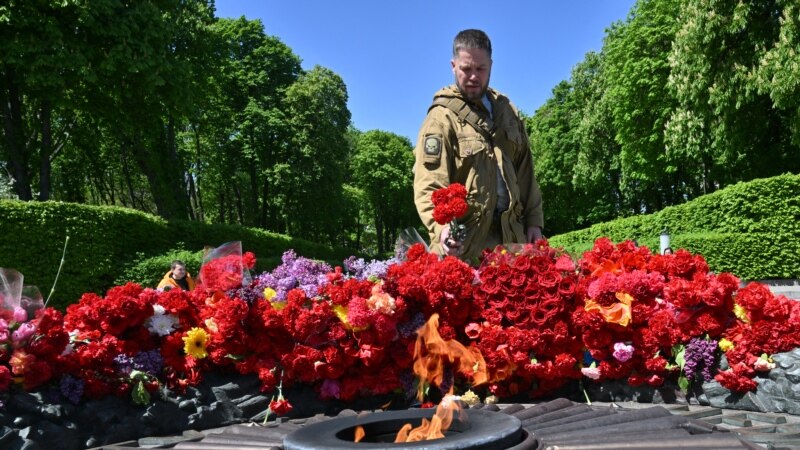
(449, 204)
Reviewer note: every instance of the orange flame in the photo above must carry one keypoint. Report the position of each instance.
(430, 355)
(430, 352)
(431, 429)
(359, 434)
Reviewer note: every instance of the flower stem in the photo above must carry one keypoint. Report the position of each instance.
(585, 395)
(63, 255)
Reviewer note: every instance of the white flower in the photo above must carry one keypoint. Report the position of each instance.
(449, 402)
(764, 364)
(162, 324)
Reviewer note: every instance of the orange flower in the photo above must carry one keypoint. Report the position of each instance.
(617, 313)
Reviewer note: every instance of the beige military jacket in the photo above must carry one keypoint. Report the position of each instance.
(450, 150)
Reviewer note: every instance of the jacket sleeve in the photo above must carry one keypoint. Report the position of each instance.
(166, 281)
(432, 170)
(531, 195)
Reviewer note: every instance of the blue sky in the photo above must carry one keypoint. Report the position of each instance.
(393, 55)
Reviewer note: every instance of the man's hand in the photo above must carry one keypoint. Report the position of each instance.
(450, 246)
(534, 233)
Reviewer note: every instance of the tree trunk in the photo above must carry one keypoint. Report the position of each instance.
(264, 204)
(14, 135)
(195, 192)
(379, 234)
(126, 172)
(45, 151)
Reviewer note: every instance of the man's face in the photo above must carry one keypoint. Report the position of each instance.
(178, 272)
(472, 69)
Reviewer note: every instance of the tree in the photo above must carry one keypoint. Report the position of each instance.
(778, 74)
(382, 168)
(131, 69)
(40, 69)
(597, 174)
(636, 68)
(242, 131)
(309, 176)
(726, 121)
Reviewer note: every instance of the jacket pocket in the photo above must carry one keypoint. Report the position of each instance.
(470, 145)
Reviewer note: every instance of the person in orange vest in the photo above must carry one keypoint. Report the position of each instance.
(177, 277)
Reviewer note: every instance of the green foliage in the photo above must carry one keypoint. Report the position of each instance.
(726, 121)
(313, 171)
(381, 167)
(685, 98)
(107, 242)
(148, 271)
(749, 229)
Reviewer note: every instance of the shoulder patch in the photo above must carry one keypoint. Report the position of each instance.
(433, 145)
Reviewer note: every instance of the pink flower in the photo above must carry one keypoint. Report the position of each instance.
(622, 351)
(20, 315)
(473, 330)
(564, 264)
(591, 372)
(22, 333)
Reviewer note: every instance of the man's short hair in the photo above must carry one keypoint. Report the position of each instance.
(175, 263)
(471, 38)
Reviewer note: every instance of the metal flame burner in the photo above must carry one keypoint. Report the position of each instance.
(481, 430)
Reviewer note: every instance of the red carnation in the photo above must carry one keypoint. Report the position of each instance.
(280, 407)
(449, 203)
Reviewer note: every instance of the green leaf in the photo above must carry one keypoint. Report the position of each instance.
(680, 356)
(683, 383)
(140, 395)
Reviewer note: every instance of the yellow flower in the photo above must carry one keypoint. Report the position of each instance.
(195, 343)
(341, 314)
(278, 305)
(740, 313)
(269, 293)
(725, 345)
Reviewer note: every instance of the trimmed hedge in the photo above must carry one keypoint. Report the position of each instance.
(751, 229)
(106, 241)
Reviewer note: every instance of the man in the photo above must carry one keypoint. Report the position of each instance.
(177, 277)
(473, 135)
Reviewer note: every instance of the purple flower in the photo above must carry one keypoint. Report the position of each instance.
(150, 362)
(408, 329)
(294, 272)
(373, 270)
(700, 357)
(123, 363)
(71, 388)
(330, 389)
